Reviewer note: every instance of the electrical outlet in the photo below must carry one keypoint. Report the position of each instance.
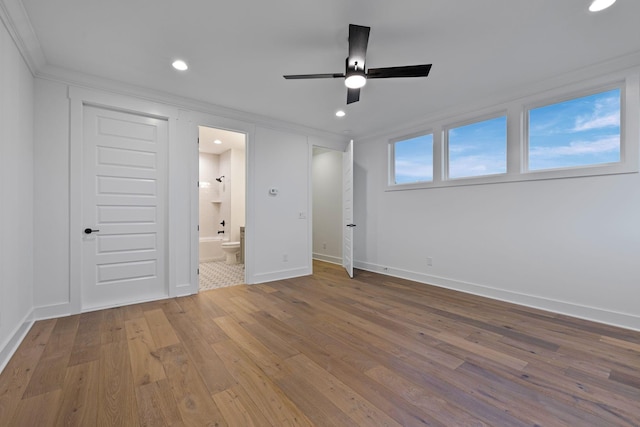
(429, 261)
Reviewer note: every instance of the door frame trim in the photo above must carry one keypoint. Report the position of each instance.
(195, 119)
(78, 98)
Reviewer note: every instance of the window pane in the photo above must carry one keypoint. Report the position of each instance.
(413, 160)
(478, 149)
(580, 132)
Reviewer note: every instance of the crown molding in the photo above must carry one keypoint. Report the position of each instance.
(88, 81)
(16, 21)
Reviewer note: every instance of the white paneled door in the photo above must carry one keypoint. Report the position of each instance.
(347, 209)
(123, 212)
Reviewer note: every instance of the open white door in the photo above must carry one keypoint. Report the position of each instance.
(347, 209)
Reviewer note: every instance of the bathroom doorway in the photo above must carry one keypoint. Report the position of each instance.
(327, 205)
(221, 207)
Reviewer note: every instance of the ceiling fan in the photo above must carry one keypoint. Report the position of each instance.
(356, 75)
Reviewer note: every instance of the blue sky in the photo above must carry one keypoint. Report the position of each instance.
(414, 159)
(478, 148)
(578, 132)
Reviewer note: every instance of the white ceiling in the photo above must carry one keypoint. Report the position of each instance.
(238, 50)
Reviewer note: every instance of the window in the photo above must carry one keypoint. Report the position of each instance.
(580, 132)
(478, 149)
(413, 160)
(588, 128)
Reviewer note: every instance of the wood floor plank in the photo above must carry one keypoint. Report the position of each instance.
(143, 352)
(272, 402)
(116, 389)
(18, 372)
(422, 398)
(113, 326)
(194, 401)
(323, 350)
(50, 372)
(157, 405)
(38, 410)
(233, 409)
(86, 346)
(349, 371)
(79, 403)
(351, 403)
(160, 328)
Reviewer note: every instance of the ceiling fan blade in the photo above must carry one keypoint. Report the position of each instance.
(358, 41)
(408, 71)
(353, 95)
(313, 76)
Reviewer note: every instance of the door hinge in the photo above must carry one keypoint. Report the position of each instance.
(198, 140)
(198, 271)
(198, 227)
(198, 184)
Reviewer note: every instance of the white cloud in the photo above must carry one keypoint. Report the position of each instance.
(576, 148)
(597, 122)
(477, 165)
(414, 168)
(606, 113)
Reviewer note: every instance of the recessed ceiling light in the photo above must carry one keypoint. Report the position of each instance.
(598, 5)
(180, 65)
(217, 141)
(340, 113)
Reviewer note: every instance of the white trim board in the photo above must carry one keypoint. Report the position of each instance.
(621, 320)
(328, 258)
(9, 347)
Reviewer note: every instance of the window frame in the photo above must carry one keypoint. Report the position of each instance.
(628, 81)
(572, 97)
(392, 160)
(475, 120)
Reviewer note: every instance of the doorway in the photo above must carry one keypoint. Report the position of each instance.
(327, 184)
(221, 207)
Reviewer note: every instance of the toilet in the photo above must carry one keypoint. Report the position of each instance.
(231, 249)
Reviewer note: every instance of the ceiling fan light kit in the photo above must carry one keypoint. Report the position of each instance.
(598, 5)
(356, 74)
(355, 80)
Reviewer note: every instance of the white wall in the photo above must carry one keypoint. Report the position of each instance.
(281, 158)
(284, 165)
(51, 163)
(16, 195)
(209, 212)
(566, 245)
(327, 205)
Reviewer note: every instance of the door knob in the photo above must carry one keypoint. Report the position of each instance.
(89, 231)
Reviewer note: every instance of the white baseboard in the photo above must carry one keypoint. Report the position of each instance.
(594, 314)
(52, 311)
(328, 258)
(10, 345)
(281, 275)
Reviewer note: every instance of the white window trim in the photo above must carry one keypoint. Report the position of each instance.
(517, 145)
(569, 97)
(392, 157)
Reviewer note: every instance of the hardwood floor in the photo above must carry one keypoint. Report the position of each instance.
(326, 351)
